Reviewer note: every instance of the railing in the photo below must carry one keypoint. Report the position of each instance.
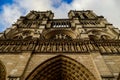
(60, 23)
(91, 23)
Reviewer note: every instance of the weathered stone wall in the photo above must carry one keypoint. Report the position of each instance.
(84, 59)
(15, 63)
(113, 63)
(23, 64)
(85, 37)
(10, 62)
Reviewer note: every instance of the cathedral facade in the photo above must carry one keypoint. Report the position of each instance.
(83, 46)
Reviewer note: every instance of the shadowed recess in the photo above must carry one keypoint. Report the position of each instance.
(61, 68)
(2, 71)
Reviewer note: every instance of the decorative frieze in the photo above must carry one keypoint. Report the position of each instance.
(58, 46)
(61, 47)
(108, 46)
(7, 46)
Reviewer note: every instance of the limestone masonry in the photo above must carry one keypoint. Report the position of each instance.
(83, 46)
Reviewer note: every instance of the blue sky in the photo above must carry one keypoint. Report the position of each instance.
(56, 5)
(4, 2)
(11, 10)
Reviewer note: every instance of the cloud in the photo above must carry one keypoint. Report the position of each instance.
(11, 12)
(108, 8)
(9, 15)
(34, 4)
(62, 11)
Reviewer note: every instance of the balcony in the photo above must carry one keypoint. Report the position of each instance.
(60, 23)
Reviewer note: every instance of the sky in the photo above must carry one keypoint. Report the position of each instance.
(11, 10)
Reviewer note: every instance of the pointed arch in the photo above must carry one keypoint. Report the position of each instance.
(61, 68)
(2, 71)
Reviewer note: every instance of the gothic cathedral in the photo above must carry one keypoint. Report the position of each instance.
(83, 46)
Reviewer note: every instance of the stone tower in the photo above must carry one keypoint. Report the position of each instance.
(82, 47)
